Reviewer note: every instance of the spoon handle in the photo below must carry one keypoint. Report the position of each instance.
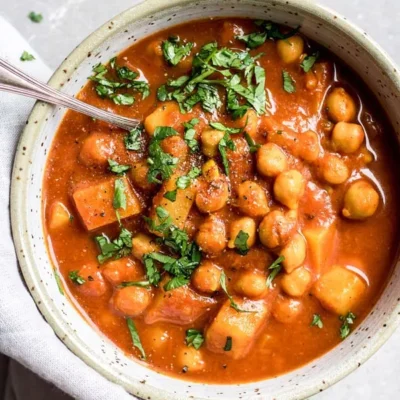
(15, 81)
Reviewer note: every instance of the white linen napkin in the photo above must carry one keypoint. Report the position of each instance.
(24, 334)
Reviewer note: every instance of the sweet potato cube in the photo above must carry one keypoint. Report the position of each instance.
(339, 290)
(58, 216)
(320, 242)
(179, 209)
(95, 203)
(242, 327)
(179, 306)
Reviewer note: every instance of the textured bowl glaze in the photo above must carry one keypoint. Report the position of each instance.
(353, 46)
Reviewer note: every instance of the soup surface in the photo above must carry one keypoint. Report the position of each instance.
(249, 225)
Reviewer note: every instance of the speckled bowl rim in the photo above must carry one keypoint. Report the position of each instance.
(21, 237)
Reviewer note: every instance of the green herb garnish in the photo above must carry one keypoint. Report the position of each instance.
(144, 284)
(222, 281)
(317, 321)
(58, 281)
(309, 62)
(25, 56)
(119, 247)
(194, 338)
(228, 344)
(76, 278)
(189, 135)
(253, 146)
(35, 17)
(174, 51)
(119, 200)
(133, 139)
(241, 243)
(275, 268)
(116, 168)
(288, 82)
(184, 181)
(135, 337)
(171, 195)
(226, 143)
(347, 320)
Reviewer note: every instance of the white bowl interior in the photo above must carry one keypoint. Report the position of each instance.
(83, 338)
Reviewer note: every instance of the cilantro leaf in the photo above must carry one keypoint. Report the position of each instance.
(317, 321)
(275, 268)
(174, 51)
(221, 127)
(144, 284)
(226, 143)
(122, 99)
(161, 164)
(76, 278)
(194, 338)
(309, 62)
(190, 133)
(171, 195)
(35, 17)
(135, 337)
(119, 200)
(133, 139)
(288, 82)
(25, 56)
(228, 344)
(222, 281)
(184, 181)
(119, 247)
(347, 320)
(252, 145)
(241, 243)
(175, 282)
(116, 168)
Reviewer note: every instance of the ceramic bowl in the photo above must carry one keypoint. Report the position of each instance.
(352, 45)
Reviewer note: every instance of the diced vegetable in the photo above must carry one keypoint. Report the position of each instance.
(58, 216)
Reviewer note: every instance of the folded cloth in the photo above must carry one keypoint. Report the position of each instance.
(24, 334)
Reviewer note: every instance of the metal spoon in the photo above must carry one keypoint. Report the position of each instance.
(14, 80)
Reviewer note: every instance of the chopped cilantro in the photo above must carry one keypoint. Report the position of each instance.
(317, 321)
(25, 56)
(58, 281)
(175, 282)
(269, 30)
(171, 195)
(275, 268)
(309, 62)
(194, 338)
(135, 337)
(252, 145)
(76, 278)
(184, 181)
(133, 139)
(228, 344)
(288, 82)
(144, 284)
(116, 168)
(190, 133)
(226, 143)
(119, 200)
(174, 51)
(222, 281)
(347, 320)
(221, 127)
(161, 164)
(35, 17)
(241, 243)
(119, 247)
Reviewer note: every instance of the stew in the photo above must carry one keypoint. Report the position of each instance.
(248, 225)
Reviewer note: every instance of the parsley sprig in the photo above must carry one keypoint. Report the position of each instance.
(234, 71)
(125, 79)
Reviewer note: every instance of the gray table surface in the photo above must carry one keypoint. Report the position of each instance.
(67, 22)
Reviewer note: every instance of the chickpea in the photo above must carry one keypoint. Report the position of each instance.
(210, 170)
(210, 139)
(290, 49)
(155, 48)
(340, 106)
(277, 228)
(96, 149)
(271, 160)
(190, 359)
(286, 310)
(206, 277)
(211, 236)
(309, 146)
(213, 195)
(252, 199)
(251, 284)
(95, 284)
(296, 283)
(132, 301)
(360, 201)
(138, 173)
(175, 146)
(122, 270)
(347, 138)
(311, 80)
(294, 253)
(246, 225)
(143, 244)
(334, 170)
(250, 120)
(289, 187)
